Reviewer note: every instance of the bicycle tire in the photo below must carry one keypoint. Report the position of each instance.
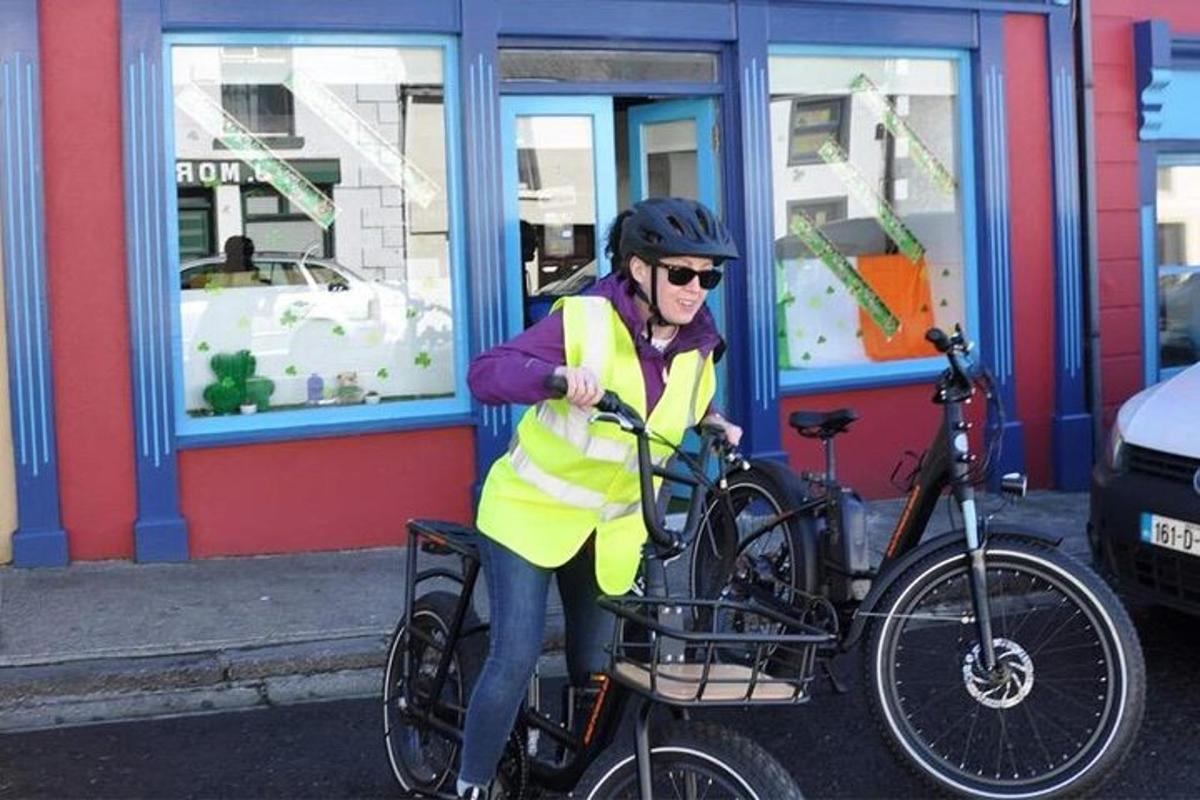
(726, 762)
(767, 487)
(1062, 711)
(421, 759)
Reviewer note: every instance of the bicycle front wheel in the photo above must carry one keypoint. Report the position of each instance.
(690, 760)
(1063, 704)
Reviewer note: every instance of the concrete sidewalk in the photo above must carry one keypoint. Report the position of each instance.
(115, 640)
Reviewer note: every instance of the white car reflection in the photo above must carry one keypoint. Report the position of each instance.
(313, 322)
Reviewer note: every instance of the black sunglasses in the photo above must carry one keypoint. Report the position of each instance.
(682, 276)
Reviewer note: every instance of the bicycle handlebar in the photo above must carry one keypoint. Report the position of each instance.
(668, 543)
(955, 347)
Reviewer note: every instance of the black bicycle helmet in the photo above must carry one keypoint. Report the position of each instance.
(674, 226)
(661, 227)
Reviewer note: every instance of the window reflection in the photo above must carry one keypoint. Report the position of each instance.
(1178, 218)
(867, 207)
(313, 226)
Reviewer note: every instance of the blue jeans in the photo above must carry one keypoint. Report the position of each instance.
(517, 593)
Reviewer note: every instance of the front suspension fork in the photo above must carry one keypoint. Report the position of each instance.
(978, 576)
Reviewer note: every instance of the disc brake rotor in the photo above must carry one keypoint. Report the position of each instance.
(1006, 685)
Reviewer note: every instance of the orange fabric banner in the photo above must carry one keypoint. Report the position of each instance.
(904, 287)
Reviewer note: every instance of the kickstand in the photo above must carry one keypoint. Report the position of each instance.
(838, 686)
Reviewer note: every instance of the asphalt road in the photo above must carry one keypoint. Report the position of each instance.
(334, 750)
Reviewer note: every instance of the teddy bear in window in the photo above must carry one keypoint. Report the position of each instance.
(348, 391)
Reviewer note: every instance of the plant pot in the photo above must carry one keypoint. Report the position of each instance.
(248, 408)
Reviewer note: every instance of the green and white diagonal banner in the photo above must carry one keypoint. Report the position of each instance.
(363, 137)
(808, 232)
(251, 150)
(833, 155)
(941, 177)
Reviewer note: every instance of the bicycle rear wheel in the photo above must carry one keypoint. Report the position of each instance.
(423, 759)
(1064, 703)
(754, 498)
(691, 760)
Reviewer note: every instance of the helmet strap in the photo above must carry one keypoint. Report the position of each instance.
(656, 317)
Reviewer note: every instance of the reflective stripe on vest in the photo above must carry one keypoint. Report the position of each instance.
(565, 478)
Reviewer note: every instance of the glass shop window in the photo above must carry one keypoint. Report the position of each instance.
(314, 238)
(1178, 270)
(868, 209)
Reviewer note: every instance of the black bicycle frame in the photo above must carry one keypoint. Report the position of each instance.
(602, 727)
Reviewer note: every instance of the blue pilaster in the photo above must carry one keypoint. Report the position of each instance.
(754, 371)
(160, 532)
(481, 126)
(1072, 423)
(40, 540)
(995, 262)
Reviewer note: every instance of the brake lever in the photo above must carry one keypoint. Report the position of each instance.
(619, 419)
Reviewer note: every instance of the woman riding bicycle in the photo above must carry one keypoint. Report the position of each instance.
(565, 500)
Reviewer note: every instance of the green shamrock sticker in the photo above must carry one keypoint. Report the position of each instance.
(338, 330)
(288, 319)
(411, 313)
(203, 347)
(291, 370)
(382, 372)
(423, 360)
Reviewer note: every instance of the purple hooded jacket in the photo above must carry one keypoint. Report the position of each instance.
(515, 372)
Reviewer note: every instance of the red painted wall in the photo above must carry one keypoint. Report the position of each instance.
(1116, 122)
(890, 422)
(1030, 163)
(324, 494)
(303, 495)
(85, 229)
(895, 420)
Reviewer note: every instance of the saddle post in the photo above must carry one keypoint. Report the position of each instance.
(830, 458)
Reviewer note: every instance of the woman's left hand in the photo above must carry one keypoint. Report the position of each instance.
(733, 433)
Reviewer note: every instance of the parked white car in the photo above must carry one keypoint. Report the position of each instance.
(305, 319)
(1145, 515)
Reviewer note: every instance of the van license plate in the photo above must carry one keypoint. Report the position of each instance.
(1173, 534)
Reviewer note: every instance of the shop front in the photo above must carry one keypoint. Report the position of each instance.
(1147, 173)
(327, 211)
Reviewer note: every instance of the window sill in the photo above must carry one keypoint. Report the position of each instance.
(287, 426)
(874, 376)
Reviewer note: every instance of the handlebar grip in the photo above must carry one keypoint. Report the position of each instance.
(938, 338)
(557, 384)
(610, 403)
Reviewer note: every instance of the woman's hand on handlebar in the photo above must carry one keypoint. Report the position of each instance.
(583, 387)
(733, 433)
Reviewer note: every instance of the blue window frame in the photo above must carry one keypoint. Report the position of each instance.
(901, 370)
(1170, 262)
(300, 421)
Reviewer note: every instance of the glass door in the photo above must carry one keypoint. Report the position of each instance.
(673, 153)
(559, 197)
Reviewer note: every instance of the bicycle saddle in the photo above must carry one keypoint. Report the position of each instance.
(822, 424)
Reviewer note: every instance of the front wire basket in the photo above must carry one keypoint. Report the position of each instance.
(689, 652)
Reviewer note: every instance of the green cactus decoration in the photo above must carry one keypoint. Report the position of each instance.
(236, 384)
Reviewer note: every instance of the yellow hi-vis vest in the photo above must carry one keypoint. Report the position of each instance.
(564, 477)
